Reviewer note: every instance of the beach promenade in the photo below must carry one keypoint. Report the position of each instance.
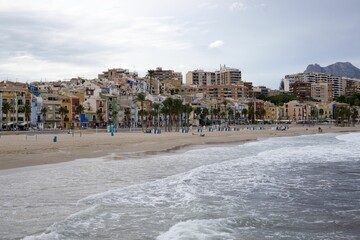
(26, 149)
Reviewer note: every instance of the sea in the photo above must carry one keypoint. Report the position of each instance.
(299, 187)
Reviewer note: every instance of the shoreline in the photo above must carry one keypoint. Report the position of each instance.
(24, 150)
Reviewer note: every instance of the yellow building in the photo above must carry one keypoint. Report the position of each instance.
(18, 97)
(66, 103)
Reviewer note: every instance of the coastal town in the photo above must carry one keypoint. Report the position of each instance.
(165, 98)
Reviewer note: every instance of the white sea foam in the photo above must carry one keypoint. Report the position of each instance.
(272, 182)
(198, 230)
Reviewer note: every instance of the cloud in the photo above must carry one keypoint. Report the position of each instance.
(237, 6)
(216, 44)
(85, 40)
(208, 5)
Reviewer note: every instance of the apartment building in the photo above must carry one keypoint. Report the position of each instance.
(115, 74)
(302, 90)
(338, 83)
(227, 76)
(200, 77)
(224, 76)
(161, 74)
(18, 98)
(52, 104)
(352, 86)
(321, 91)
(221, 91)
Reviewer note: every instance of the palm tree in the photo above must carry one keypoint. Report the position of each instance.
(166, 110)
(251, 113)
(141, 114)
(244, 112)
(151, 75)
(197, 112)
(205, 113)
(187, 109)
(6, 106)
(99, 115)
(43, 113)
(262, 113)
(237, 116)
(354, 115)
(223, 115)
(114, 116)
(225, 108)
(63, 111)
(231, 114)
(127, 113)
(27, 112)
(321, 112)
(79, 110)
(140, 97)
(176, 111)
(156, 111)
(341, 114)
(215, 112)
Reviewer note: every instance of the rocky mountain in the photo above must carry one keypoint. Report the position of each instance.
(343, 69)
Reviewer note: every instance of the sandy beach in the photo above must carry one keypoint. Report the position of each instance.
(21, 150)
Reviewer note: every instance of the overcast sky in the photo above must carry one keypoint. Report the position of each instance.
(266, 39)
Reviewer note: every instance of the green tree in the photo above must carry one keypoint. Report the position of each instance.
(176, 110)
(230, 114)
(321, 112)
(156, 112)
(215, 112)
(342, 114)
(354, 115)
(63, 111)
(79, 110)
(167, 112)
(244, 112)
(205, 113)
(225, 109)
(142, 113)
(279, 100)
(223, 115)
(187, 109)
(6, 106)
(127, 114)
(43, 113)
(251, 113)
(27, 112)
(150, 74)
(99, 115)
(282, 85)
(237, 117)
(140, 98)
(114, 116)
(262, 113)
(197, 112)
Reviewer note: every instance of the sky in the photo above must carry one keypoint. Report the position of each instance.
(49, 40)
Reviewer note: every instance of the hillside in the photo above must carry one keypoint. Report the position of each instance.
(343, 69)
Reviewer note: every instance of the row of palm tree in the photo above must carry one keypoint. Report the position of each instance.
(345, 113)
(26, 109)
(172, 109)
